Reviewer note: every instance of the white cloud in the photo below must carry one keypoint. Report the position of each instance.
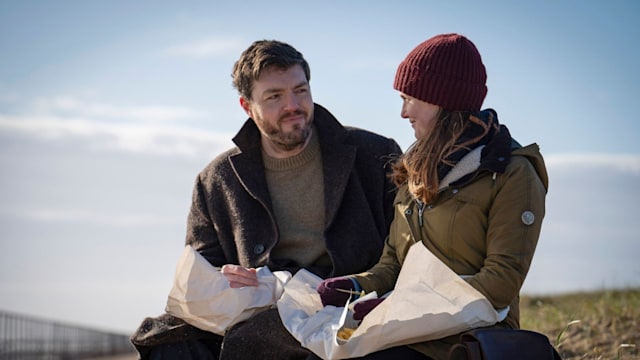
(629, 163)
(209, 47)
(158, 139)
(149, 129)
(64, 105)
(60, 215)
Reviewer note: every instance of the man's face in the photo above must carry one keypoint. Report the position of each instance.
(282, 108)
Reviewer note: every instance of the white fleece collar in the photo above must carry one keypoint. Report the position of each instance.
(468, 164)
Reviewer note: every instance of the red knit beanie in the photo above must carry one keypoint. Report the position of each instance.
(445, 70)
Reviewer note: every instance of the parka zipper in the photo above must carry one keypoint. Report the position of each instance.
(421, 207)
(411, 224)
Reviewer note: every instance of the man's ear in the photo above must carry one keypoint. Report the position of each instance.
(244, 103)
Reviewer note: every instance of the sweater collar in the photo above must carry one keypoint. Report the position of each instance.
(304, 157)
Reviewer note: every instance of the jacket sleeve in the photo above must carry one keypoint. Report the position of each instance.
(514, 224)
(383, 275)
(201, 234)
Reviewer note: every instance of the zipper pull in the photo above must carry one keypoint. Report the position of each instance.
(420, 212)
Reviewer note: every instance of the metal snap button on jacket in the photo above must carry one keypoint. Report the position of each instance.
(527, 217)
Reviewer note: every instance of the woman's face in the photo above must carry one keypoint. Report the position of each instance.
(421, 114)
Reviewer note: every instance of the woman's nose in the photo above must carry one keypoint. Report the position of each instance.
(403, 113)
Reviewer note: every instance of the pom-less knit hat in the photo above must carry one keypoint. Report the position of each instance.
(445, 70)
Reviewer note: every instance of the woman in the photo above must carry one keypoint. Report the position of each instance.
(469, 192)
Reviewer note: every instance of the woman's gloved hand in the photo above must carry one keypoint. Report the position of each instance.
(361, 309)
(329, 293)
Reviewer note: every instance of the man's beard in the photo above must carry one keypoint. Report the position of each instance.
(294, 138)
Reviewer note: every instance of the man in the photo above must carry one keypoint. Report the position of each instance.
(299, 190)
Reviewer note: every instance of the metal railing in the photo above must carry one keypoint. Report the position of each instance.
(25, 337)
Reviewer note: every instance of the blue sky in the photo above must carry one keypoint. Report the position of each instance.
(109, 109)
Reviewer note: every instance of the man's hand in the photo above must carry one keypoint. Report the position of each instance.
(239, 276)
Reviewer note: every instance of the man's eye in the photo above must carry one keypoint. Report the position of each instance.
(274, 97)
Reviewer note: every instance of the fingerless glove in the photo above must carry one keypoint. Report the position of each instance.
(329, 295)
(361, 309)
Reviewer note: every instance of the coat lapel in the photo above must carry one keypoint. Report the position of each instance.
(338, 160)
(248, 164)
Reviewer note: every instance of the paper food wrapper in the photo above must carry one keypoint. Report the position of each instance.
(201, 295)
(429, 302)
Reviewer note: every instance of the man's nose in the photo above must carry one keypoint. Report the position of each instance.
(291, 102)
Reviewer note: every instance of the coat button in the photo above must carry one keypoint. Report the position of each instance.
(455, 191)
(527, 217)
(408, 212)
(258, 249)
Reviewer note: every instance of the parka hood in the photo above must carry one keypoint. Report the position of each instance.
(494, 156)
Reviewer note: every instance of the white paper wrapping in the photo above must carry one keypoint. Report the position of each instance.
(429, 302)
(201, 295)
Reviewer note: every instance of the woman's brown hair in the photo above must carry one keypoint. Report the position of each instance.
(418, 167)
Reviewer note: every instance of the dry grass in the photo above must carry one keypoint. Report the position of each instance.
(595, 325)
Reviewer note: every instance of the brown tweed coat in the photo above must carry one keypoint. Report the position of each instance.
(231, 221)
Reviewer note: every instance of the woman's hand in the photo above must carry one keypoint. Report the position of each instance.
(361, 309)
(330, 291)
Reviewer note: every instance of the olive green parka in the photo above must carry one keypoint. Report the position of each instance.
(486, 228)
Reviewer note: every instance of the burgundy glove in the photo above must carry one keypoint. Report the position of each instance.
(329, 293)
(361, 309)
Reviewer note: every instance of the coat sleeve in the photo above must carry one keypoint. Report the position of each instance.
(514, 224)
(201, 233)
